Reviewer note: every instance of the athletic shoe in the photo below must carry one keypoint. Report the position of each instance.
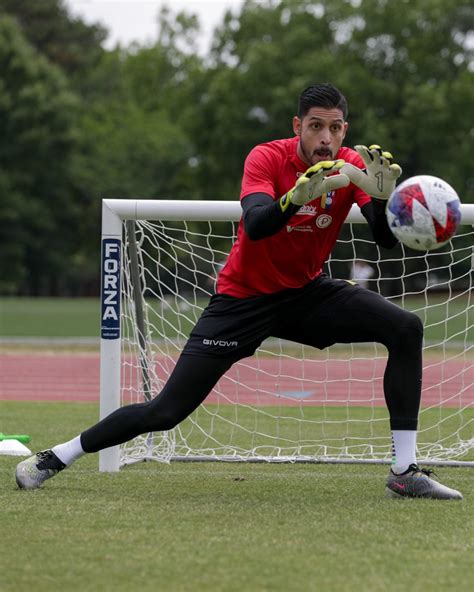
(416, 482)
(33, 471)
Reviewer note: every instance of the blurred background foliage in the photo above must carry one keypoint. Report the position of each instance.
(79, 122)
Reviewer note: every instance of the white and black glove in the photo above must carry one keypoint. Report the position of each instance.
(314, 182)
(380, 175)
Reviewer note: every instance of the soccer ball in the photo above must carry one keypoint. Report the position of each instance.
(423, 212)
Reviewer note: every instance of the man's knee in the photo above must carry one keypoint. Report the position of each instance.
(408, 332)
(161, 419)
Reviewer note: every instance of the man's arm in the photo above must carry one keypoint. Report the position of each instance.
(374, 213)
(263, 216)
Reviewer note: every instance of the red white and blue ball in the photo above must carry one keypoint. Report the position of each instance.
(423, 212)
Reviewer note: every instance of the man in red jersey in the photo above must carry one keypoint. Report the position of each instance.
(296, 194)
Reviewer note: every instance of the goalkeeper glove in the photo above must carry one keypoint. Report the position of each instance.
(380, 176)
(314, 182)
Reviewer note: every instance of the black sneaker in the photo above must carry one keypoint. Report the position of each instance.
(33, 471)
(416, 482)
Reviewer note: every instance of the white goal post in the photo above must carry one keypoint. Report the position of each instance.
(289, 403)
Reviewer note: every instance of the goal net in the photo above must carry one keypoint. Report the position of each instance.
(288, 402)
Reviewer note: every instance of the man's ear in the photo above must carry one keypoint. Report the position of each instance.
(297, 125)
(346, 126)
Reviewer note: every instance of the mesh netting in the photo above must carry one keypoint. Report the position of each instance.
(291, 402)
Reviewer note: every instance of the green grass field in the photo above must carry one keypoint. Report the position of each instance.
(221, 527)
(226, 527)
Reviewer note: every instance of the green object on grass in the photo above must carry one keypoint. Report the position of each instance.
(24, 439)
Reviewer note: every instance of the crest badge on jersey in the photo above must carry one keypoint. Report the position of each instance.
(323, 221)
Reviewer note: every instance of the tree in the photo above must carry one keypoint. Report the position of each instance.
(68, 42)
(37, 136)
(406, 68)
(78, 123)
(133, 142)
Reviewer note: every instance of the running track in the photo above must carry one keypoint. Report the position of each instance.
(57, 377)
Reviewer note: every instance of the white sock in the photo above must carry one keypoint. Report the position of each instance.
(403, 450)
(69, 451)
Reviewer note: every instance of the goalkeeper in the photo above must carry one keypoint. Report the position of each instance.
(295, 196)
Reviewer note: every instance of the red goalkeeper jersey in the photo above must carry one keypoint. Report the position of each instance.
(295, 254)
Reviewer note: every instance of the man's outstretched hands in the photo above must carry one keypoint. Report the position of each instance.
(314, 182)
(380, 176)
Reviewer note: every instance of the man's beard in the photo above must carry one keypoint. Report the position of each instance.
(316, 155)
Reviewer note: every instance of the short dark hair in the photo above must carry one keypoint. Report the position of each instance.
(321, 95)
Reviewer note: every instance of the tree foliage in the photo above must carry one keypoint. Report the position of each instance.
(37, 140)
(406, 68)
(66, 41)
(79, 123)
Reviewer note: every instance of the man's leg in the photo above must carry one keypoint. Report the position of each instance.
(352, 314)
(189, 384)
(343, 313)
(228, 330)
(369, 317)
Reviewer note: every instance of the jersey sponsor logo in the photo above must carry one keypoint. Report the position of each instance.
(301, 228)
(220, 342)
(110, 296)
(323, 221)
(307, 210)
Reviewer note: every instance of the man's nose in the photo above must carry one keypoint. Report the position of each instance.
(325, 137)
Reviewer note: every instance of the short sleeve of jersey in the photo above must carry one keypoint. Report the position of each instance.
(260, 172)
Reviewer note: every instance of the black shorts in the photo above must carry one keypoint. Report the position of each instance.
(324, 312)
